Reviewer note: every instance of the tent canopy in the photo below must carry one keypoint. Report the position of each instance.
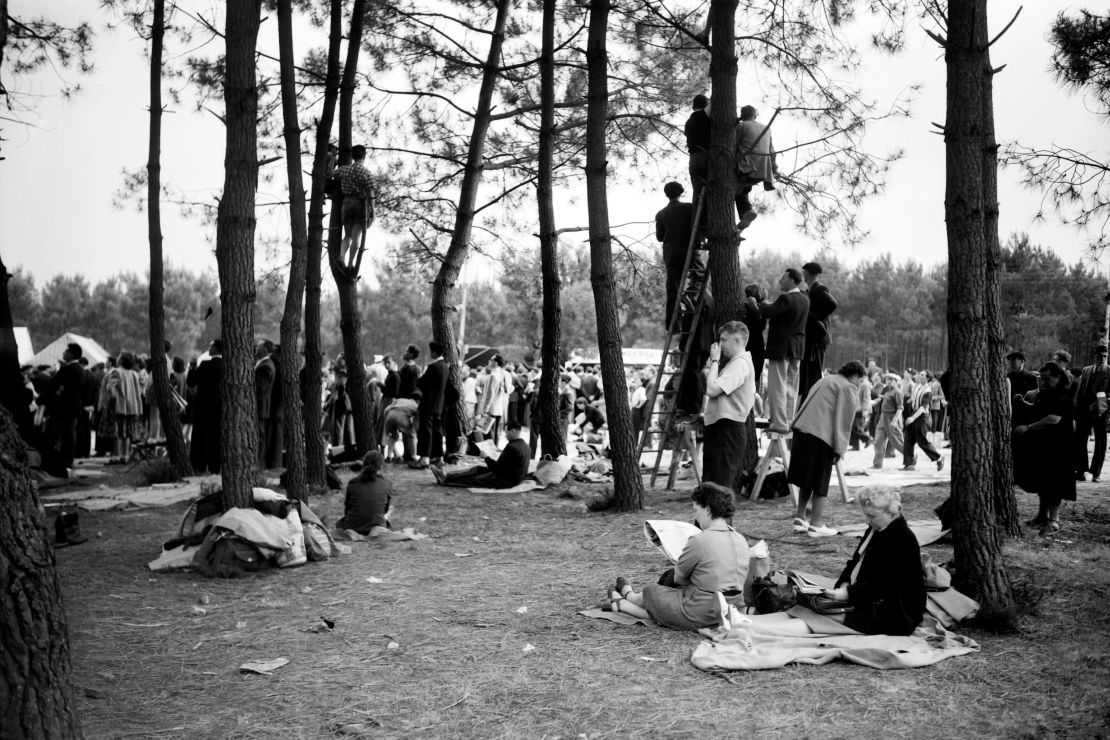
(52, 353)
(23, 345)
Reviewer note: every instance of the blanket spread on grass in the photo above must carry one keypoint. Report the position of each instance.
(751, 647)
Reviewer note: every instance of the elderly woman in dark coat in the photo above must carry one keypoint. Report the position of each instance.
(1043, 444)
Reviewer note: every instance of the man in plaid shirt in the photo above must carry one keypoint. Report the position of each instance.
(358, 202)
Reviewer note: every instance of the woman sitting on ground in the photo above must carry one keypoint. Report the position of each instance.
(883, 582)
(1043, 445)
(368, 496)
(715, 560)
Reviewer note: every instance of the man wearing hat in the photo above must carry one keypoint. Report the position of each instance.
(821, 307)
(1090, 415)
(1021, 380)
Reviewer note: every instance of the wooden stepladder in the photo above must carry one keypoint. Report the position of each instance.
(778, 443)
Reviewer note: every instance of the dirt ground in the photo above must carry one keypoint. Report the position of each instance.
(473, 632)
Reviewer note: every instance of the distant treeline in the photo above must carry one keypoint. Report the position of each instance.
(894, 312)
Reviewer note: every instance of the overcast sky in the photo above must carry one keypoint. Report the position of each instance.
(60, 174)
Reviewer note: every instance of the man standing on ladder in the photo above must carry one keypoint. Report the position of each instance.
(674, 226)
(698, 130)
(786, 338)
(730, 388)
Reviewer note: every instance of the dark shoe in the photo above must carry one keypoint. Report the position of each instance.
(1094, 479)
(441, 478)
(1037, 521)
(417, 465)
(746, 220)
(908, 467)
(437, 461)
(940, 464)
(622, 584)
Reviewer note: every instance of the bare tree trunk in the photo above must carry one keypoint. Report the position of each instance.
(313, 356)
(444, 285)
(981, 570)
(235, 224)
(720, 212)
(167, 409)
(346, 281)
(12, 394)
(298, 238)
(628, 487)
(553, 433)
(36, 684)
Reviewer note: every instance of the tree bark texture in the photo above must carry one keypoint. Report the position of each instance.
(443, 287)
(12, 395)
(315, 455)
(235, 223)
(981, 570)
(167, 408)
(553, 433)
(350, 321)
(36, 685)
(628, 487)
(298, 240)
(720, 211)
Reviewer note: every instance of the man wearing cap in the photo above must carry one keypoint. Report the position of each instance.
(1021, 380)
(785, 348)
(1090, 415)
(821, 306)
(674, 226)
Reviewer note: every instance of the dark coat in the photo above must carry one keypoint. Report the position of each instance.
(366, 505)
(1021, 382)
(673, 227)
(432, 385)
(786, 335)
(1093, 379)
(698, 130)
(511, 467)
(888, 597)
(1043, 457)
(65, 391)
(821, 307)
(264, 374)
(408, 375)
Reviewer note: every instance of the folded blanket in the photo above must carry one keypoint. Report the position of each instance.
(753, 646)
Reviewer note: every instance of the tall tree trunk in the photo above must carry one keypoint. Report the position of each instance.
(167, 409)
(235, 222)
(298, 237)
(36, 685)
(981, 570)
(720, 211)
(553, 433)
(13, 396)
(444, 285)
(346, 281)
(628, 487)
(313, 355)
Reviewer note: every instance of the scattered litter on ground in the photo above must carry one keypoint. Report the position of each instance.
(263, 667)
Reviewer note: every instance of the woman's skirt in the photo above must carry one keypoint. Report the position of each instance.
(682, 608)
(811, 463)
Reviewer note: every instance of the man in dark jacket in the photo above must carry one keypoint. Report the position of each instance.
(1021, 380)
(204, 448)
(63, 406)
(673, 227)
(821, 306)
(785, 347)
(1091, 415)
(698, 130)
(432, 385)
(508, 470)
(264, 374)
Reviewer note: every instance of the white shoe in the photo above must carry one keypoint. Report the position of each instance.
(822, 531)
(800, 525)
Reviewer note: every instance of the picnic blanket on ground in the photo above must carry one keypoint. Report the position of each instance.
(550, 473)
(752, 647)
(102, 499)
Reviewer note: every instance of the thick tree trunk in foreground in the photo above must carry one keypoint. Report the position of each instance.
(443, 286)
(235, 224)
(167, 409)
(972, 335)
(553, 433)
(350, 322)
(36, 685)
(315, 455)
(720, 211)
(628, 487)
(298, 241)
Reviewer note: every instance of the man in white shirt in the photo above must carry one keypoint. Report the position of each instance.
(730, 388)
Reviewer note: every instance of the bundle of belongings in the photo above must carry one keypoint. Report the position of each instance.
(276, 532)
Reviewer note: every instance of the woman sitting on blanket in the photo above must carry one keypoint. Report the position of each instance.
(715, 560)
(883, 582)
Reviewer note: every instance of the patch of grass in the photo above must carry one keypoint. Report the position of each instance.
(450, 605)
(158, 470)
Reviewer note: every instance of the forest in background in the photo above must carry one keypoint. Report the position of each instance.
(893, 311)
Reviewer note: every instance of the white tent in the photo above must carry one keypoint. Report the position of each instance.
(23, 344)
(52, 353)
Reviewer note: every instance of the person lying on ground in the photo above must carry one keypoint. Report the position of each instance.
(714, 561)
(507, 471)
(368, 497)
